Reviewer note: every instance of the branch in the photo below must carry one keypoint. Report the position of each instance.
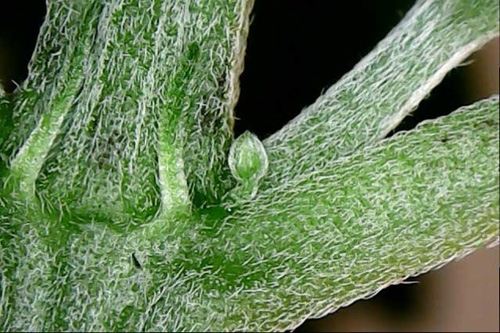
(412, 203)
(372, 99)
(334, 235)
(105, 140)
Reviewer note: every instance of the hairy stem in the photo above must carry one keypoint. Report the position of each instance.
(123, 101)
(345, 231)
(371, 100)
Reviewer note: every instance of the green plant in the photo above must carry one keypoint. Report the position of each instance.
(120, 210)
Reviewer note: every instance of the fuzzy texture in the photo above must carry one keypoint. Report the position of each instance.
(114, 163)
(373, 98)
(248, 164)
(378, 216)
(115, 90)
(300, 250)
(5, 125)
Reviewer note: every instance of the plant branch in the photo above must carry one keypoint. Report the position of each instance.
(409, 204)
(372, 99)
(334, 235)
(125, 122)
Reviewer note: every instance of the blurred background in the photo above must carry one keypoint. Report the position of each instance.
(296, 50)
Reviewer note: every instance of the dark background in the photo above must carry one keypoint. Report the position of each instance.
(296, 50)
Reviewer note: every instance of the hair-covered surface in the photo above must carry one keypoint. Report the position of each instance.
(114, 167)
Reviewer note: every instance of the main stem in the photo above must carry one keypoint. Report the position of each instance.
(127, 110)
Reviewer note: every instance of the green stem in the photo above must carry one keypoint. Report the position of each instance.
(372, 99)
(329, 237)
(119, 110)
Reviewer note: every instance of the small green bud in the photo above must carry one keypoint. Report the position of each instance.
(248, 161)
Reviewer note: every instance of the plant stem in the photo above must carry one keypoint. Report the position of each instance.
(372, 99)
(120, 117)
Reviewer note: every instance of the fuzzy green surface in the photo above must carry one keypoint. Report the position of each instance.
(415, 201)
(117, 85)
(372, 99)
(114, 170)
(248, 164)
